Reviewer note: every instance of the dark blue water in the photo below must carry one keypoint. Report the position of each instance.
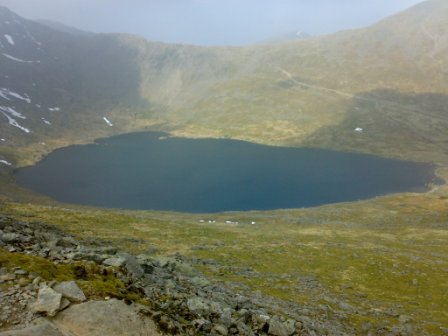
(144, 171)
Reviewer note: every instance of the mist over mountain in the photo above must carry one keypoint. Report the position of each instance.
(212, 23)
(360, 266)
(389, 79)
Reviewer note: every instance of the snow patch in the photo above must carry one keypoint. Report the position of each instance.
(14, 123)
(6, 162)
(108, 121)
(18, 59)
(3, 140)
(3, 95)
(54, 109)
(33, 39)
(9, 39)
(15, 95)
(46, 121)
(12, 112)
(37, 105)
(359, 130)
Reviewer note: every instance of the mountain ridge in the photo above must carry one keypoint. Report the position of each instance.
(296, 93)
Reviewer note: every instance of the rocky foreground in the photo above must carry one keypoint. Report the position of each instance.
(176, 298)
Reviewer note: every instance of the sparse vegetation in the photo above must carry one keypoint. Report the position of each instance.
(372, 261)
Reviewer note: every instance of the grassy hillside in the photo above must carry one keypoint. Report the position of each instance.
(389, 79)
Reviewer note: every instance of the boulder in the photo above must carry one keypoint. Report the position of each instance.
(114, 262)
(99, 318)
(198, 306)
(48, 301)
(70, 290)
(278, 328)
(43, 328)
(10, 237)
(131, 265)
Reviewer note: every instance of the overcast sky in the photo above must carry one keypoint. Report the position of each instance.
(210, 22)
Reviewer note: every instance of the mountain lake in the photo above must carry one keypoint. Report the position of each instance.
(153, 171)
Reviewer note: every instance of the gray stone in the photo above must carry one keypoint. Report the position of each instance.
(277, 328)
(99, 318)
(226, 317)
(197, 305)
(243, 329)
(71, 291)
(10, 237)
(64, 303)
(43, 328)
(114, 262)
(7, 277)
(48, 301)
(20, 272)
(200, 281)
(220, 329)
(131, 265)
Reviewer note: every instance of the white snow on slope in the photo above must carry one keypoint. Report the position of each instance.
(12, 112)
(3, 95)
(9, 39)
(6, 162)
(108, 121)
(54, 109)
(33, 39)
(46, 121)
(18, 59)
(3, 140)
(14, 94)
(14, 123)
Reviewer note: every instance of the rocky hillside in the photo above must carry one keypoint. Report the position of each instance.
(390, 79)
(39, 265)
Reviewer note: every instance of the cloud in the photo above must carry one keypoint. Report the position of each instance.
(209, 21)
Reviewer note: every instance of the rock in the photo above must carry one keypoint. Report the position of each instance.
(71, 291)
(20, 272)
(7, 277)
(277, 328)
(64, 303)
(347, 307)
(43, 328)
(99, 318)
(197, 305)
(48, 301)
(23, 282)
(200, 281)
(131, 265)
(10, 237)
(220, 330)
(37, 280)
(243, 329)
(114, 262)
(226, 317)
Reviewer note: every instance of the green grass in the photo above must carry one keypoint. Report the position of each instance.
(384, 256)
(96, 282)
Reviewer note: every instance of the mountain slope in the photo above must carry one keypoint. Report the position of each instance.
(389, 79)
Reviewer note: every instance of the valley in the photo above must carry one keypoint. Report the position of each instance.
(372, 267)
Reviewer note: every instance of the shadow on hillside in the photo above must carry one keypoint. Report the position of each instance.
(107, 73)
(406, 125)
